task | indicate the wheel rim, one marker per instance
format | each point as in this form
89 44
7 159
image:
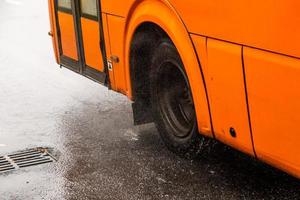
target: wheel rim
175 99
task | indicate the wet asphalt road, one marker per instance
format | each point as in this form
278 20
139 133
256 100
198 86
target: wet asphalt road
101 155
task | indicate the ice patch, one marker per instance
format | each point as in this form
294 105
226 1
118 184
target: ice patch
131 134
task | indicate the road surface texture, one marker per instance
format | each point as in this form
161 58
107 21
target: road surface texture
101 155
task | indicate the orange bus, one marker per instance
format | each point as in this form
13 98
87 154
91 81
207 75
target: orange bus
229 70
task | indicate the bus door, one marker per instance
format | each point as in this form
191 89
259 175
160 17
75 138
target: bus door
81 38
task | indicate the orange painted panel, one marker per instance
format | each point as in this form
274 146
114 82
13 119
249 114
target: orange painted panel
53 30
108 50
116 28
274 96
68 36
227 95
268 24
117 7
91 44
203 123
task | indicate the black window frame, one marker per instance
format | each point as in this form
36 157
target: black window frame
64 9
89 16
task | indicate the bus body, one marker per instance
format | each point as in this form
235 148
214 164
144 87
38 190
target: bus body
241 59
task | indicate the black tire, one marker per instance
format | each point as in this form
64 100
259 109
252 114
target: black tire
172 103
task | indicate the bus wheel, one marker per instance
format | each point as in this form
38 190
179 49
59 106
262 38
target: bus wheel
172 102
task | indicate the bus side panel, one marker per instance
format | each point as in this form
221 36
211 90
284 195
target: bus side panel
53 31
117 7
108 51
116 29
227 97
200 45
273 83
270 25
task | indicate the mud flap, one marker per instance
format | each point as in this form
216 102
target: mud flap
141 114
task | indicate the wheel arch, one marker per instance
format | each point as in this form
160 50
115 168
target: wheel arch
169 20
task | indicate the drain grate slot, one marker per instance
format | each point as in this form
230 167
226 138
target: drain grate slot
4 161
33 160
6 169
27 158
35 163
5 164
23 154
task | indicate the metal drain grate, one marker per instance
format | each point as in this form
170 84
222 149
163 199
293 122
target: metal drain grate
27 158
